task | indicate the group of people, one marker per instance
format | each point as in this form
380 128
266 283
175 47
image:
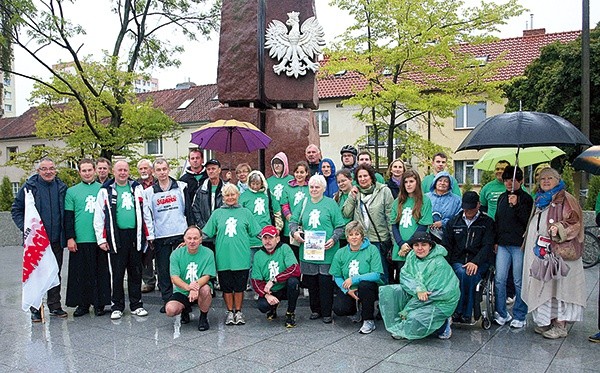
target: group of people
419 247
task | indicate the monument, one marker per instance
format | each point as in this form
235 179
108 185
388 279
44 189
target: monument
268 53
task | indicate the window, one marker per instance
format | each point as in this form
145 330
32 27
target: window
154 147
468 116
185 104
7 95
11 152
371 137
15 188
7 107
7 81
465 170
322 118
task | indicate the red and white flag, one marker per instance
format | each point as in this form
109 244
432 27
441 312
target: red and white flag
40 270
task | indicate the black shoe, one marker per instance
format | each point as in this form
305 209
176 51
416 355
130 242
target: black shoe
162 309
185 317
59 312
456 318
290 320
99 311
81 310
314 316
272 314
36 316
327 319
203 323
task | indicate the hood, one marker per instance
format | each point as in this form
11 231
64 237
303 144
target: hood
188 170
437 177
332 168
282 157
262 177
366 243
438 250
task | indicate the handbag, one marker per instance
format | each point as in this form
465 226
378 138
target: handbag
551 267
293 241
568 250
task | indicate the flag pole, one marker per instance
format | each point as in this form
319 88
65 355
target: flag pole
42 313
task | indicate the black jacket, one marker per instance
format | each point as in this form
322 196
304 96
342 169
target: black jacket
511 222
395 188
201 210
189 178
469 244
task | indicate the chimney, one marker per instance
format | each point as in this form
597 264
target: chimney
534 32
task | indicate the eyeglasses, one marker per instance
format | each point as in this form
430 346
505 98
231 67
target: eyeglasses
45 169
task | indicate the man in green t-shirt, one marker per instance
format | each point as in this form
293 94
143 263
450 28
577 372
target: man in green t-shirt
192 267
276 276
89 279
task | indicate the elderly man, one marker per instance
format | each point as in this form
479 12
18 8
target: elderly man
89 279
121 227
439 163
191 266
276 276
469 239
166 202
146 180
313 157
49 195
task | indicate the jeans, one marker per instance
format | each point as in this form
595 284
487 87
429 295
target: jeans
290 292
506 256
467 287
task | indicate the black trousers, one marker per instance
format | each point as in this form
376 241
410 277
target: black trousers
163 247
290 293
320 293
127 258
345 305
53 294
89 279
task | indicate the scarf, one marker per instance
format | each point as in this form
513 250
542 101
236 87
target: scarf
369 190
543 199
397 181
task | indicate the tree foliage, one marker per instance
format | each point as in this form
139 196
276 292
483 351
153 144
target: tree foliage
552 83
91 104
593 191
6 194
407 52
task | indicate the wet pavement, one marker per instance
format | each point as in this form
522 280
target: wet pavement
158 343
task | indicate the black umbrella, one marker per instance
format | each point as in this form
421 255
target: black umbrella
523 129
588 161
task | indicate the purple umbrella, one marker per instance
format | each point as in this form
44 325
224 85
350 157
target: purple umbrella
230 136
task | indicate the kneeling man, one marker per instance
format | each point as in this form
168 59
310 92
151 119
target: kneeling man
276 276
192 267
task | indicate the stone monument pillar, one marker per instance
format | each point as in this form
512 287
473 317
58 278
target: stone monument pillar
250 90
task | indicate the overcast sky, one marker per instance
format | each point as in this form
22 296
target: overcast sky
199 61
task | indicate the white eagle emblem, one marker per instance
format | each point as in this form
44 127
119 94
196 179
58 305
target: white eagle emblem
297 49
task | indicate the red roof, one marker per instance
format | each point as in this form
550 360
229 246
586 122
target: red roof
520 52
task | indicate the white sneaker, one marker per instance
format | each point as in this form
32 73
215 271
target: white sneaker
510 300
139 312
116 315
518 324
367 327
230 319
502 320
239 318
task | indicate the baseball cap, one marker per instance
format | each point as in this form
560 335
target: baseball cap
269 230
212 161
470 200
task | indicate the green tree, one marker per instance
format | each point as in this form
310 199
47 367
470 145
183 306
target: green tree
567 176
6 194
407 52
552 83
94 109
593 190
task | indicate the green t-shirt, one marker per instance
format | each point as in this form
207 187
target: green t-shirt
324 215
489 196
428 179
407 224
597 207
190 267
125 207
294 196
266 267
256 202
233 228
347 263
81 199
277 185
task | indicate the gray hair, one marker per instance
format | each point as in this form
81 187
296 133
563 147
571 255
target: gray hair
144 160
317 180
551 172
158 161
355 226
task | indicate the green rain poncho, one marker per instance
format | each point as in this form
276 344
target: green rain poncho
403 313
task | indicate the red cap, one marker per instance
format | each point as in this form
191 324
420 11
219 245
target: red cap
269 230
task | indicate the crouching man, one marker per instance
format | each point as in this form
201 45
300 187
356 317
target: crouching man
192 266
276 276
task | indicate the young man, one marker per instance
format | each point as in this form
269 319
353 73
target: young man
439 164
512 216
103 168
146 180
488 197
49 195
121 227
348 154
195 174
166 203
191 266
276 276
364 157
469 239
89 279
